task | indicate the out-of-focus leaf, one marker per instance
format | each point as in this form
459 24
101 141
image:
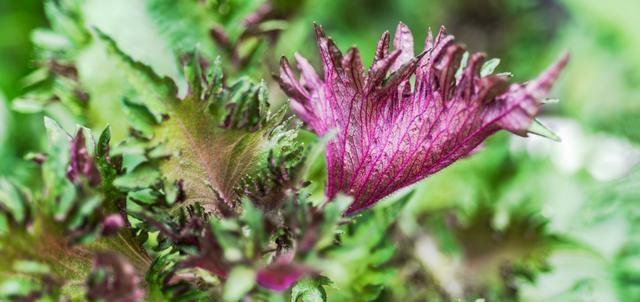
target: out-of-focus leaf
309 290
240 281
489 67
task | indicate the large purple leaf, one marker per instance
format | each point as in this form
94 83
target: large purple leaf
408 116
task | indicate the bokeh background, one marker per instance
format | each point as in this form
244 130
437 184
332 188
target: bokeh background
525 219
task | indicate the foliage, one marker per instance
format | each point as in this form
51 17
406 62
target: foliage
170 168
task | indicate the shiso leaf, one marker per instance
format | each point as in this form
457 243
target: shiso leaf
395 132
155 91
212 140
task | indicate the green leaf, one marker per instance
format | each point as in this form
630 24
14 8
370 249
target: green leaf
184 24
108 168
463 64
356 262
224 233
31 267
27 105
102 148
193 74
240 281
309 290
16 287
371 227
254 220
65 19
539 129
86 208
154 91
13 200
382 255
143 177
65 201
213 140
489 67
332 214
62 193
139 117
56 134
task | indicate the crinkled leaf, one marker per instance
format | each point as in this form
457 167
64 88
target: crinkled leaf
391 132
212 140
155 91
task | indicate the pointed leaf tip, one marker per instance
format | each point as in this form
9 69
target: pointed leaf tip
537 128
319 31
539 87
489 67
403 41
382 49
550 101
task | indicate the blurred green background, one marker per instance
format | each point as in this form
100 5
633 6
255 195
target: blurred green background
564 216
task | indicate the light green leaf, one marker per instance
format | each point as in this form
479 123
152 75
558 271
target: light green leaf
539 129
13 200
253 217
31 267
16 287
139 116
143 177
27 105
550 101
240 281
154 91
56 134
332 214
489 67
308 290
463 64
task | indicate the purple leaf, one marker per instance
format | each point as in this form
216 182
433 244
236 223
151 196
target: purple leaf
211 257
280 276
114 280
393 131
81 163
112 224
403 41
